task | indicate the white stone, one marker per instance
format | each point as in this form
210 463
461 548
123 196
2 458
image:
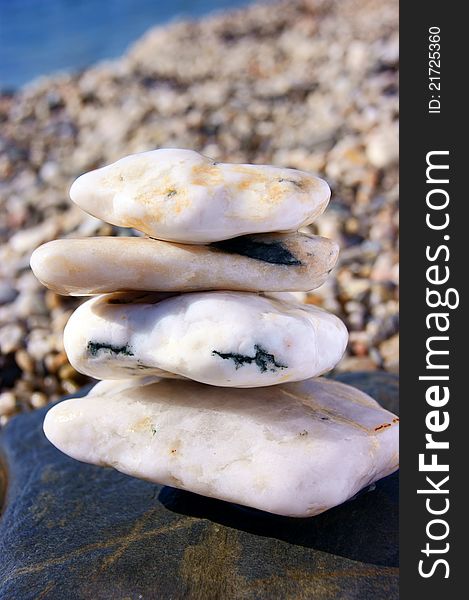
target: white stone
274 262
382 147
7 403
295 449
221 338
182 196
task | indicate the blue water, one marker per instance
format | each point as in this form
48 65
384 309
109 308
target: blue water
39 37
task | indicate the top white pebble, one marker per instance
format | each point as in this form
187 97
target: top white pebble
183 196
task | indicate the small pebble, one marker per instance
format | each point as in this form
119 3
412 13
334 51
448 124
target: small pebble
389 350
357 363
11 337
38 399
7 403
24 361
7 293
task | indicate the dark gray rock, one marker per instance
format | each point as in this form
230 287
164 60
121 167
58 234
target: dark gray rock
381 386
74 531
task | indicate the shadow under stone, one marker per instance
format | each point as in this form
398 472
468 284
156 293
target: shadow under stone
364 529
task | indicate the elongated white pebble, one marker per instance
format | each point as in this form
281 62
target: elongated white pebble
270 262
220 338
183 196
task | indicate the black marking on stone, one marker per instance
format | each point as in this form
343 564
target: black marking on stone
263 360
273 252
298 184
94 347
171 193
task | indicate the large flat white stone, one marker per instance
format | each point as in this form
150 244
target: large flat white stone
273 262
295 449
235 339
182 196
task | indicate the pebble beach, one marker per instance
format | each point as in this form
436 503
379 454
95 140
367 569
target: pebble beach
307 84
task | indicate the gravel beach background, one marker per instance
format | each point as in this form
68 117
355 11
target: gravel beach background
308 84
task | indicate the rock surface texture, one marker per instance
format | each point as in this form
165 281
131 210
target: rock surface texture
81 532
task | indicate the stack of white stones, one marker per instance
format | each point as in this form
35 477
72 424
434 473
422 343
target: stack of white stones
200 301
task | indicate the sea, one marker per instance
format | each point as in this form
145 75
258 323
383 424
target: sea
42 37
